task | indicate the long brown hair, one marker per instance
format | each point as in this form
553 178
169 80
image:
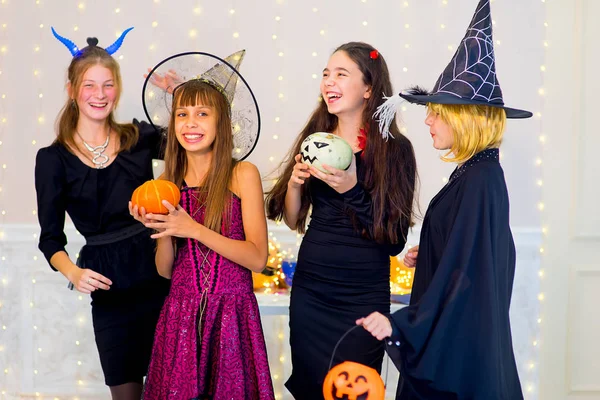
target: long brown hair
66 122
392 195
214 189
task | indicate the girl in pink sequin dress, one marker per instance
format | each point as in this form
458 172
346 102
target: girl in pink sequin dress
209 342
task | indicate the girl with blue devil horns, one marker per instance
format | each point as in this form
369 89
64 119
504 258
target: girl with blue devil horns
90 171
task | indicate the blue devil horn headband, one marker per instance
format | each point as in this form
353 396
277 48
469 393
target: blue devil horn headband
70 45
115 46
75 52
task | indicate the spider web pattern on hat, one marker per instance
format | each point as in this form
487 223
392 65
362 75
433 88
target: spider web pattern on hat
219 73
469 78
472 72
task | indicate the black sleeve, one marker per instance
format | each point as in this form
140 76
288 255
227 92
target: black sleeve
359 201
156 138
51 203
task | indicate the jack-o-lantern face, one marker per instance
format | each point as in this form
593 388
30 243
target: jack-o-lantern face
353 381
325 148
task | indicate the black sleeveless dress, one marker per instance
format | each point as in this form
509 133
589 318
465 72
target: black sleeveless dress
340 276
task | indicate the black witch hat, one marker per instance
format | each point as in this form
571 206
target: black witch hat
469 78
221 74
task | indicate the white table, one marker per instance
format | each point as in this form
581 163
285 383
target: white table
279 303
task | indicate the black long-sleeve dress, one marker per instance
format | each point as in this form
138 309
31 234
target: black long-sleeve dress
340 277
117 246
454 341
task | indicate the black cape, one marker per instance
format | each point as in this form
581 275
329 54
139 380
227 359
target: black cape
454 340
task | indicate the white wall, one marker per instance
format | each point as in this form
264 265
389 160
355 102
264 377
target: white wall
421 49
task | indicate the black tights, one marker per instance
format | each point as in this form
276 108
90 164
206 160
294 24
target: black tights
127 391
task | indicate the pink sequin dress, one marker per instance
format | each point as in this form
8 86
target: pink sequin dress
209 341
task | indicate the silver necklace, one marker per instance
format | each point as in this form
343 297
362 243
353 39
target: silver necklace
99 159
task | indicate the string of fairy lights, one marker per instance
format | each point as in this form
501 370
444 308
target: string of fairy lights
4 52
7 328
531 381
5 368
532 389
152 48
37 77
275 259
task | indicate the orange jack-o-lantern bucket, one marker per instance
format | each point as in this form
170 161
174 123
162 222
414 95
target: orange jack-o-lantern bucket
352 381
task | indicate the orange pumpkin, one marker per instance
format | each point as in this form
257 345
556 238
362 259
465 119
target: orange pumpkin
353 381
150 195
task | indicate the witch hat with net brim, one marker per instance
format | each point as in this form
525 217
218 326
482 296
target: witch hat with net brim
469 78
221 74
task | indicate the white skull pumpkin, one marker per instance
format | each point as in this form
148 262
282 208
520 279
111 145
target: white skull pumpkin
326 148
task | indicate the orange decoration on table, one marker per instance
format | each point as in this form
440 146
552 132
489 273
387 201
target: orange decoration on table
401 277
150 195
271 279
260 281
353 381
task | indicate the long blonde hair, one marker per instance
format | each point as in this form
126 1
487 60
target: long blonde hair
66 122
474 128
214 189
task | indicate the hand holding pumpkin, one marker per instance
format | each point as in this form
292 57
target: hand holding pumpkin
339 180
299 173
176 223
377 325
139 214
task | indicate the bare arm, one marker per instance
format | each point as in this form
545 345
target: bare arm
61 261
165 256
293 200
292 207
84 280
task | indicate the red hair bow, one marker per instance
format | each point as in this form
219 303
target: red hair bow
374 54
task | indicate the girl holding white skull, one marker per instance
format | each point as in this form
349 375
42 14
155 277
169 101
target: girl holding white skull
360 217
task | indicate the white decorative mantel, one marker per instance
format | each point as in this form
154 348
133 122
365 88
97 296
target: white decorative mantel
47 347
